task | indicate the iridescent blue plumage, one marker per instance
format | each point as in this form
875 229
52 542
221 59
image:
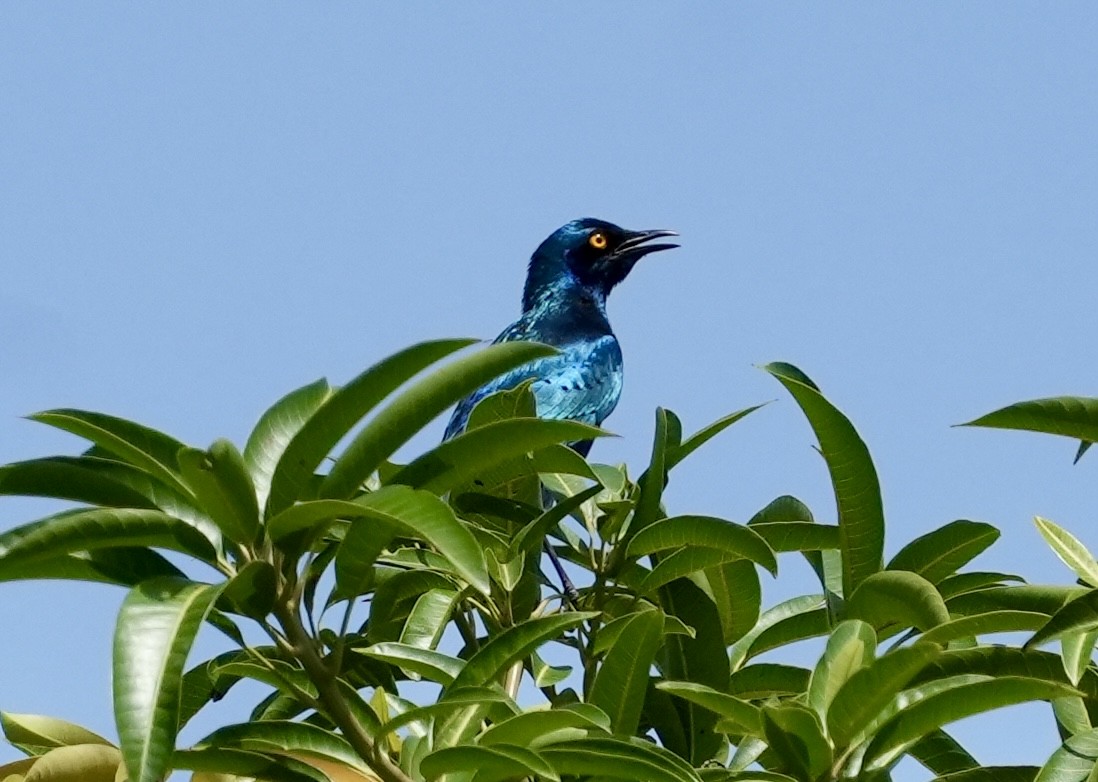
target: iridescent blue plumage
564 305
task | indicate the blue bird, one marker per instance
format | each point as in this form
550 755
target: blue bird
568 281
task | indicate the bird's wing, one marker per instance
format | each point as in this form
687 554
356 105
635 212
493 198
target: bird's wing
581 383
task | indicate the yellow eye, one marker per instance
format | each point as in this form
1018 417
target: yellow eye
598 241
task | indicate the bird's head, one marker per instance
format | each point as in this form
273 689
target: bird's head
594 253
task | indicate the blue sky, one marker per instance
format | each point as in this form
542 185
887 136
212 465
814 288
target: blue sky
207 204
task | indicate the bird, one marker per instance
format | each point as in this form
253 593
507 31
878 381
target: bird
568 281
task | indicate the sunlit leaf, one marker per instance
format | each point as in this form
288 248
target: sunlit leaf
417 406
339 412
942 552
156 627
898 597
853 476
1069 549
706 532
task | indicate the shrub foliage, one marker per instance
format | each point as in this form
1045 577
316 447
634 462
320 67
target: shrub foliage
337 579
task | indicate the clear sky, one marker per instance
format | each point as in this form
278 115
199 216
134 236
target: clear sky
204 205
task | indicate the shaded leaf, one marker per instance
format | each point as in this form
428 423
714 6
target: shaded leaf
512 645
622 678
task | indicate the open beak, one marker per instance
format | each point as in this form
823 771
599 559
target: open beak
636 245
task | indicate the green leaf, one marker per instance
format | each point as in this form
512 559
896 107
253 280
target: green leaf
1068 548
339 412
77 763
239 765
794 733
1025 597
942 754
40 731
616 758
966 700
490 764
853 476
685 561
992 774
740 715
1074 761
429 618
1078 616
862 697
530 537
851 646
797 606
400 508
432 665
547 726
80 479
982 624
622 678
653 480
797 535
463 458
942 552
104 482
761 680
221 483
156 628
735 591
252 591
417 406
788 630
704 435
701 659
276 429
706 532
148 449
283 736
125 566
394 599
74 531
1069 416
1076 649
898 597
452 704
512 645
962 583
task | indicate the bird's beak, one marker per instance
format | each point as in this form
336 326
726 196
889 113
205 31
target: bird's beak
636 244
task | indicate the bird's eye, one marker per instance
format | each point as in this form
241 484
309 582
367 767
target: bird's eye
598 241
